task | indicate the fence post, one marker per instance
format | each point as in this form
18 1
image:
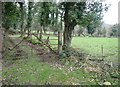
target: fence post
59 42
102 50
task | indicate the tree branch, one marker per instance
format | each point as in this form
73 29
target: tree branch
19 43
47 45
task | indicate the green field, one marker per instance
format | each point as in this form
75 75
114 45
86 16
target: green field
93 46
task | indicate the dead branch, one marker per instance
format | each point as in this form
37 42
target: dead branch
19 43
46 44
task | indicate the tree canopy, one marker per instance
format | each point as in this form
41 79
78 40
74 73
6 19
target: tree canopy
86 14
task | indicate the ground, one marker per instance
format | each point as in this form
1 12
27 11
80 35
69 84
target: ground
33 64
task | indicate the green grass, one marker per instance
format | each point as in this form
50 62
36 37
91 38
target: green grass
32 71
35 72
93 46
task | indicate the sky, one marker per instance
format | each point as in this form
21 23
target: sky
111 16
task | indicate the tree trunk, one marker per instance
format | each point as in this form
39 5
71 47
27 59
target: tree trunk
69 27
37 32
60 36
59 42
40 35
29 20
28 31
43 28
67 37
22 18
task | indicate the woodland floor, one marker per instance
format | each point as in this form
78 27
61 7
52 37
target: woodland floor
30 64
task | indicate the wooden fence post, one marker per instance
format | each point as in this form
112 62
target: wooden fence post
59 42
102 51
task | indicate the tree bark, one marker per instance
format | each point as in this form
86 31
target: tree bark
69 27
41 33
29 20
22 18
59 42
67 37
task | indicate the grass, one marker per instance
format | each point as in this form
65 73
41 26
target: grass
32 71
35 72
93 46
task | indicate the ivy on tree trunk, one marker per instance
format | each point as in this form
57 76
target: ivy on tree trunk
69 27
